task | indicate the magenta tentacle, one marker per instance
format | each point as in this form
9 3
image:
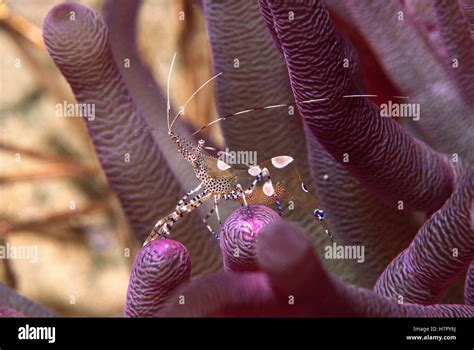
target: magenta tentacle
440 252
14 304
120 17
358 217
419 73
144 183
158 269
239 234
381 154
467 8
458 44
469 286
95 79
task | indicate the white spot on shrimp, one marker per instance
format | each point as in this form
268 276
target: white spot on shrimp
222 166
268 189
255 170
281 161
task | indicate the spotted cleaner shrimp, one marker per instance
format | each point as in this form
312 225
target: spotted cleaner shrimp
271 182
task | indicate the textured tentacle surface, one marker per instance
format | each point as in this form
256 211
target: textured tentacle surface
440 252
469 286
467 8
360 218
159 268
239 234
292 283
120 17
136 169
418 71
13 304
458 45
254 76
378 151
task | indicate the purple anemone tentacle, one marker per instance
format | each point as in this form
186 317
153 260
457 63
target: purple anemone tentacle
121 19
135 167
11 302
293 283
469 286
458 45
376 150
359 218
441 251
239 234
419 73
467 8
158 269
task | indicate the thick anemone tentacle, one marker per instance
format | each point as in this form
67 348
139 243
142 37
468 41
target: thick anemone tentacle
239 234
419 73
11 302
225 294
458 45
158 269
467 8
377 151
360 218
293 283
121 19
469 286
135 167
441 251
363 216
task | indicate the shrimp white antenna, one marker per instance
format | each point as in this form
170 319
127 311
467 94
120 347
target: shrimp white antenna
245 111
190 98
168 104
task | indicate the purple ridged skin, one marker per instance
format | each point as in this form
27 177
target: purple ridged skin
467 8
293 283
11 300
381 154
441 251
121 18
240 232
469 286
458 45
158 269
411 59
146 185
81 51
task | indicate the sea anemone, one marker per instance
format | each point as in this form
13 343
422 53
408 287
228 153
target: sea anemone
401 190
